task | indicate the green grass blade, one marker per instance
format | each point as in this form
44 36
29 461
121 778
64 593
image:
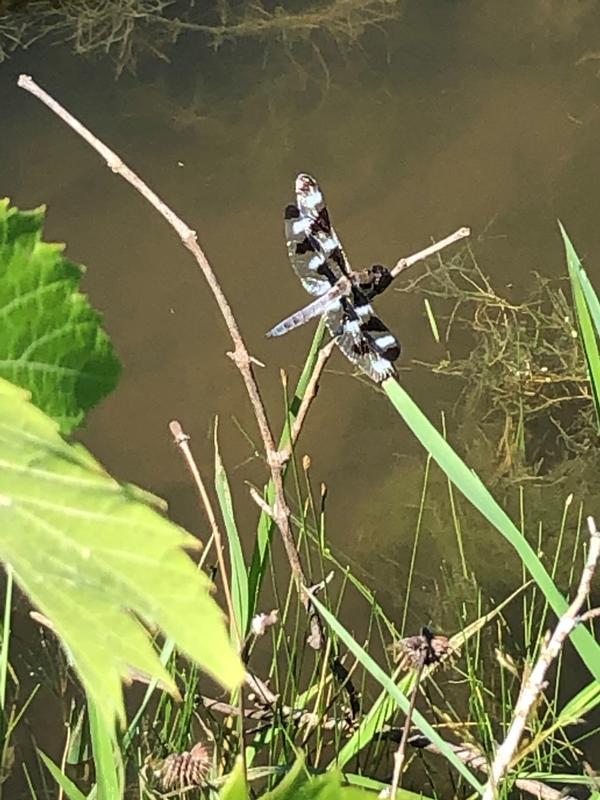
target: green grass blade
395 693
66 784
471 486
580 706
587 310
107 760
5 636
432 321
239 575
574 262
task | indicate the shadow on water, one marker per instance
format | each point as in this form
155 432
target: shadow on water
458 113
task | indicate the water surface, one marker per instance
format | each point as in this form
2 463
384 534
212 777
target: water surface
461 113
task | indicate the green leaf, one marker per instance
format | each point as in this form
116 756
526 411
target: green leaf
471 486
66 784
86 549
235 787
239 575
290 782
587 309
298 784
51 342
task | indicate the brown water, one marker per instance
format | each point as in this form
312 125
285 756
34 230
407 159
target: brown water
461 113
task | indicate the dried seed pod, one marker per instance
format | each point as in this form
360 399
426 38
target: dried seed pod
185 769
426 648
261 622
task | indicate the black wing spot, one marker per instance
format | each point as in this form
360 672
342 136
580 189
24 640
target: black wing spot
291 212
373 325
327 272
322 221
305 246
338 258
361 347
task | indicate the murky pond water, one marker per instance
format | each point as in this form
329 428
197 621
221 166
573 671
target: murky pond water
460 113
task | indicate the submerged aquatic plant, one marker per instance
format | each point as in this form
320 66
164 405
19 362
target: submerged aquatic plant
524 379
126 29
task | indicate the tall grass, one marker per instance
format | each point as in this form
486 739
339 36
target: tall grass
348 718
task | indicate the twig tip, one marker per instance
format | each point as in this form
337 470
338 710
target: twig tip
177 432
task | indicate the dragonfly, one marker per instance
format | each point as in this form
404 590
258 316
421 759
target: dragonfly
343 296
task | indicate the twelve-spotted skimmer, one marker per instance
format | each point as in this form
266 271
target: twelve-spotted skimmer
343 295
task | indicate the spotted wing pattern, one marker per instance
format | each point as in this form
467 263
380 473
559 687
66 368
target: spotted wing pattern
319 260
313 246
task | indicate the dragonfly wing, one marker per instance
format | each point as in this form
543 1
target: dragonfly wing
363 338
314 249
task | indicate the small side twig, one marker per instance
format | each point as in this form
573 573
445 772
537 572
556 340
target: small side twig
535 683
405 263
181 439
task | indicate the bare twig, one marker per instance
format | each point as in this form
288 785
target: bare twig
400 753
417 652
181 439
262 503
404 263
241 357
588 615
535 683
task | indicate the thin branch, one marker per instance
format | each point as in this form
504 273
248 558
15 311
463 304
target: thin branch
181 439
240 355
535 683
588 615
405 263
417 652
400 753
